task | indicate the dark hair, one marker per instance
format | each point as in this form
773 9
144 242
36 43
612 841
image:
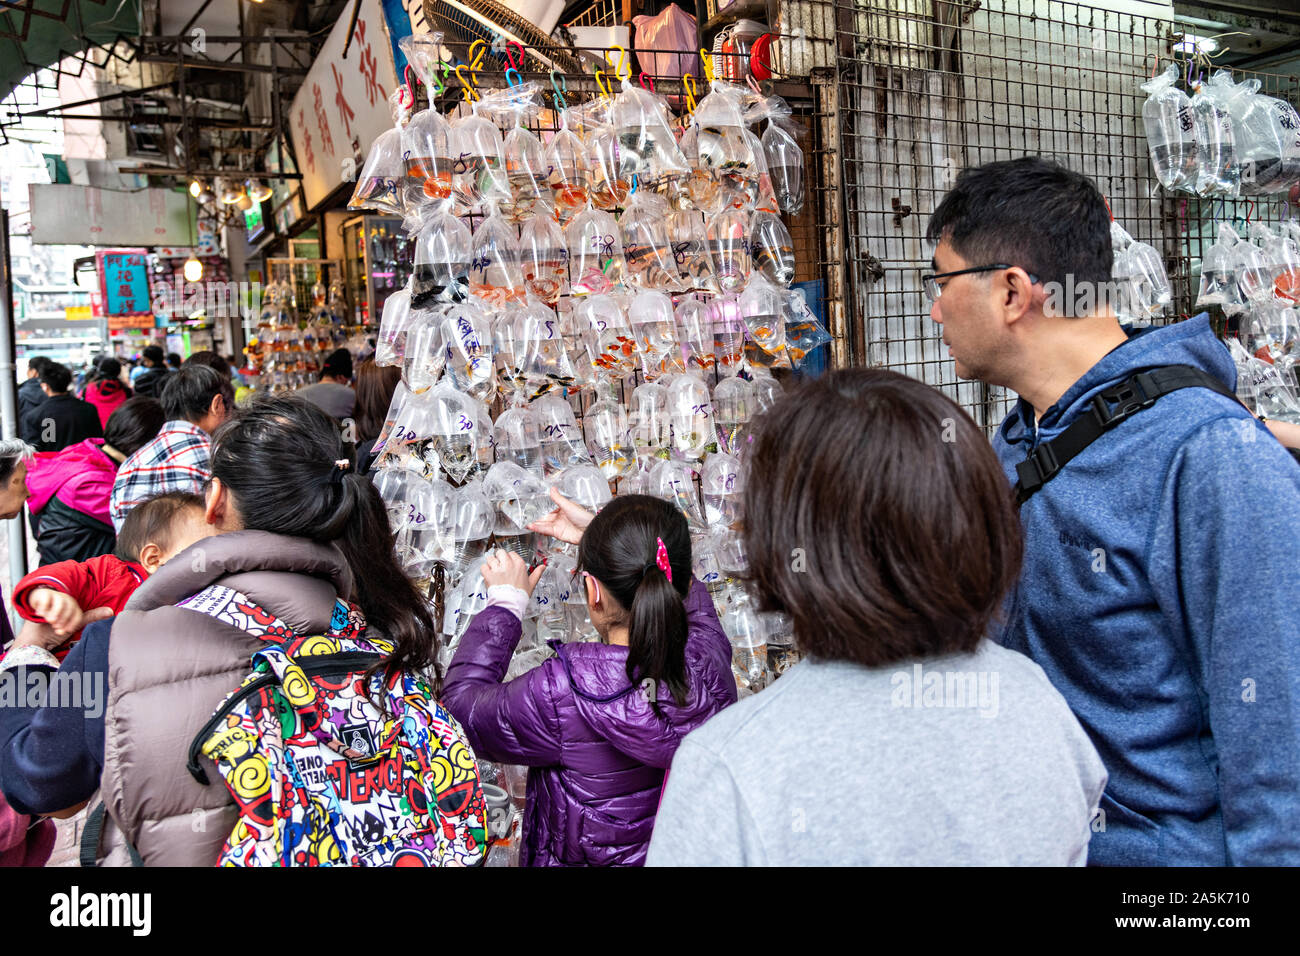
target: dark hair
211 359
107 368
153 355
375 387
276 455
152 521
174 360
188 393
37 364
134 424
878 518
618 549
1029 212
57 377
339 363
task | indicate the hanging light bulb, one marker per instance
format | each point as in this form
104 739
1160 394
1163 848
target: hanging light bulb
245 202
193 269
258 190
196 188
230 191
206 196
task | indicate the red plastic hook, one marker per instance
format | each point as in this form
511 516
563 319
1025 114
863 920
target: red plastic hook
510 59
644 77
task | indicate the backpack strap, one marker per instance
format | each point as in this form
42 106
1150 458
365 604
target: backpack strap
1107 409
91 831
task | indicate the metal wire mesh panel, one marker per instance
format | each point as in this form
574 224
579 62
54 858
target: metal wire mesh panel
929 87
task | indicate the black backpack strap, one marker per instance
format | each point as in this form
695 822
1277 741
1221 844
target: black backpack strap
1108 408
91 830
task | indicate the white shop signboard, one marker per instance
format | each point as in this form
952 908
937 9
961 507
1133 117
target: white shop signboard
64 214
343 104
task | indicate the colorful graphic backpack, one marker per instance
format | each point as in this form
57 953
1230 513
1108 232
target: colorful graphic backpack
320 775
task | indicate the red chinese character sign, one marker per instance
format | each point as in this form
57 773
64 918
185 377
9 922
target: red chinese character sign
124 282
342 106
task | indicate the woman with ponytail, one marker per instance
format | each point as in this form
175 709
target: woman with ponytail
597 724
297 530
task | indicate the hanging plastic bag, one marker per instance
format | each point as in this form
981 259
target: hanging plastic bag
467 333
1267 134
595 244
762 307
771 247
722 482
544 259
425 354
570 175
648 149
690 410
609 189
660 41
674 482
690 241
518 438
519 496
390 342
443 250
1170 124
605 337
379 185
728 234
562 443
652 431
647 243
695 333
451 425
584 484
1218 169
545 363
803 331
495 270
728 332
784 156
1218 283
651 316
473 520
606 431
735 403
479 171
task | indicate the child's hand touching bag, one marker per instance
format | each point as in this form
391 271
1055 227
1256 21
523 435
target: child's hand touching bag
506 567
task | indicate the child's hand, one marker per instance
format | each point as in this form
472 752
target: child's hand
506 567
62 612
566 523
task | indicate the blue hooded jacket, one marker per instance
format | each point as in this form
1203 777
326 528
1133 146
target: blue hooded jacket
1159 593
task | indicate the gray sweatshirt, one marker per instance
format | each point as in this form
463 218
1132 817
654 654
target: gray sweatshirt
969 759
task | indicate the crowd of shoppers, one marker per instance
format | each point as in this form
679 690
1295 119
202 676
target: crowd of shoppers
1047 650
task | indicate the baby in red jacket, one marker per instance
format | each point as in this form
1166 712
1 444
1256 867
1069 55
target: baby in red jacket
71 594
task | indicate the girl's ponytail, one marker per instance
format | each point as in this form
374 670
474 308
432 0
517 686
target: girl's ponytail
621 549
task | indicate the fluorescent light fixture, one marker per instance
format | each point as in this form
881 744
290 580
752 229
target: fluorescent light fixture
1191 45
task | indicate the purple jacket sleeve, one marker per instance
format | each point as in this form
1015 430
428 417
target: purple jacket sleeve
709 644
510 723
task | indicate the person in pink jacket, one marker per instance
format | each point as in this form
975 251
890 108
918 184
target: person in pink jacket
105 390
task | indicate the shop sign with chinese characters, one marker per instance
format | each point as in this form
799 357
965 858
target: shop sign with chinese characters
124 279
342 106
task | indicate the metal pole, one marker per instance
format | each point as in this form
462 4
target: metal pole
9 394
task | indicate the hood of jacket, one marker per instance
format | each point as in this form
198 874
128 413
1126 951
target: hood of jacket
1190 342
105 390
294 578
81 476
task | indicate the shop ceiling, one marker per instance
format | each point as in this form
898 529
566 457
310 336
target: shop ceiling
1252 33
200 85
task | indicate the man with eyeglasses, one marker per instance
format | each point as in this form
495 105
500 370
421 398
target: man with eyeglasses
1161 519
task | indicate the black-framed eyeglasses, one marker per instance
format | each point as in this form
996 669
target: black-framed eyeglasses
930 280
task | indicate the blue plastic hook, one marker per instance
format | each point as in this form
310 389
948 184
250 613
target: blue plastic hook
512 77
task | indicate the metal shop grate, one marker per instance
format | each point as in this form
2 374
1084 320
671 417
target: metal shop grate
928 87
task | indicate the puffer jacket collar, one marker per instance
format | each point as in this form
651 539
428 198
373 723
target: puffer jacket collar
267 567
621 712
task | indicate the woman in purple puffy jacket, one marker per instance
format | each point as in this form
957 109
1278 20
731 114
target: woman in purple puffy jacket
598 724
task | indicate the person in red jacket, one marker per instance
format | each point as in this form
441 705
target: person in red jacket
70 594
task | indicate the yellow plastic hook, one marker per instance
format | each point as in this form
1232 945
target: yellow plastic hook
623 62
688 82
603 83
707 60
470 93
476 62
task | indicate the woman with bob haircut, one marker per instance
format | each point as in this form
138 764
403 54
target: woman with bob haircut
878 519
